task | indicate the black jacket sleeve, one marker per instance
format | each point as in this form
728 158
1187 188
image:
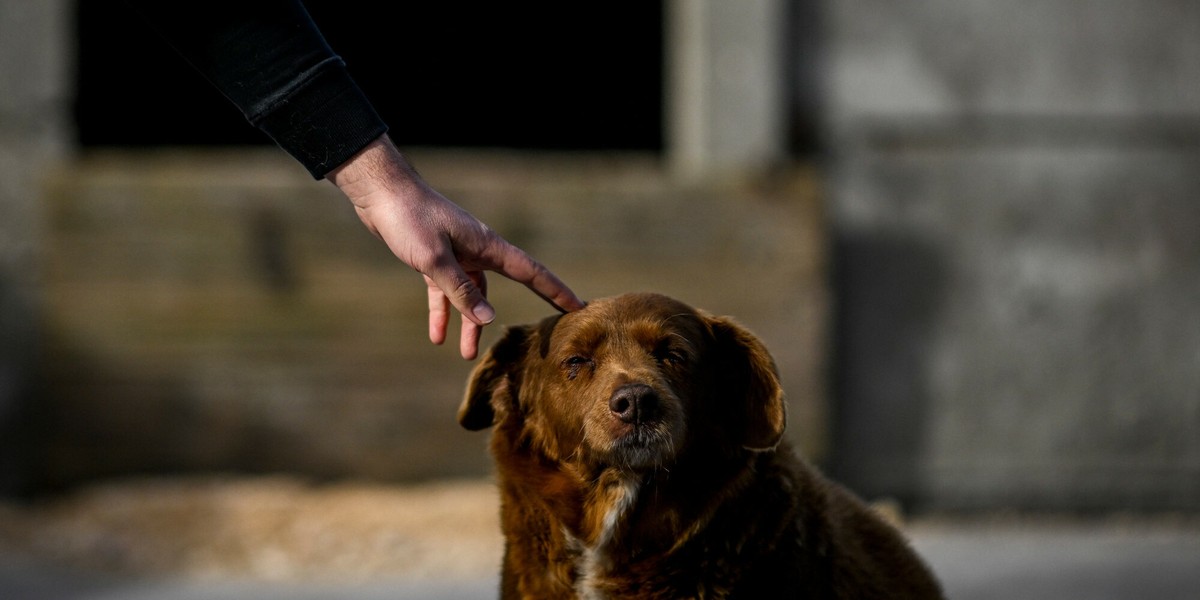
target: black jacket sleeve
269 59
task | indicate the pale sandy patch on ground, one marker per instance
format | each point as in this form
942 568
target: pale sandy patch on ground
272 529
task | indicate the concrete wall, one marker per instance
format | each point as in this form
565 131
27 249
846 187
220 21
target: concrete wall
725 86
1015 213
221 312
34 111
1012 204
167 312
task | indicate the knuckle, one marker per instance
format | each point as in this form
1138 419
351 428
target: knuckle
464 288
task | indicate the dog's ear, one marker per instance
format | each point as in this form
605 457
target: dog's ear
491 388
748 372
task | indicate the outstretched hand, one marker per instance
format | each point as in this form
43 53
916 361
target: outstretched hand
445 243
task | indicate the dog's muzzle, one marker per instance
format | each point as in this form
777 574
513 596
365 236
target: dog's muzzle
646 429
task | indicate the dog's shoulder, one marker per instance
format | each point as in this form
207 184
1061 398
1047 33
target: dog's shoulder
789 531
852 551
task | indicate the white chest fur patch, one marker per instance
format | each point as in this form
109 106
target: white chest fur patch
595 559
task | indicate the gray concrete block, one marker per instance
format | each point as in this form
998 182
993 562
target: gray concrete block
949 58
1015 217
724 86
1019 327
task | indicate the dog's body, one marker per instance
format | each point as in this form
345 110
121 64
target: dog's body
640 454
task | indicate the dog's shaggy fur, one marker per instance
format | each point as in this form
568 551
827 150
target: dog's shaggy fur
640 454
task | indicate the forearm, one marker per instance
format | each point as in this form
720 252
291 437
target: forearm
271 61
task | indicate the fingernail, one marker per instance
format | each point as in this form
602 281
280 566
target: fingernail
484 312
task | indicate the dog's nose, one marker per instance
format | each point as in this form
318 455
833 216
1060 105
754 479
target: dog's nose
633 402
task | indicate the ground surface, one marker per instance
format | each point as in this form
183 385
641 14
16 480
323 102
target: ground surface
209 539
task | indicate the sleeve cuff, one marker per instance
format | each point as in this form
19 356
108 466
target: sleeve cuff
325 122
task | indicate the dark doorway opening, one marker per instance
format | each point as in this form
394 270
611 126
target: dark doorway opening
543 75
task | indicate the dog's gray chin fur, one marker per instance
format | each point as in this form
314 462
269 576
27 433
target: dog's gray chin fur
643 448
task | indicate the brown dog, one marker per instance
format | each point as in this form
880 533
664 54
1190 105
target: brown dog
640 454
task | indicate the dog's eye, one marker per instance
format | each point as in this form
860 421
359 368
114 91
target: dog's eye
574 364
672 357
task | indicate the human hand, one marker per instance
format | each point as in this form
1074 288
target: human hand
443 242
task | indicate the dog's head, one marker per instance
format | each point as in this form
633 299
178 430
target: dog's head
630 382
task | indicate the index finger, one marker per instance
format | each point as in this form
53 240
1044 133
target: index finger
518 266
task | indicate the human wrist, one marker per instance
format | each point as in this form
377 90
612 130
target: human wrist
377 166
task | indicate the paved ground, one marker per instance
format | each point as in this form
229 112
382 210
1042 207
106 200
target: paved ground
281 538
1055 561
23 580
1019 561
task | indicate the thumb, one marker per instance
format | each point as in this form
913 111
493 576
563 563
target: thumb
463 292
